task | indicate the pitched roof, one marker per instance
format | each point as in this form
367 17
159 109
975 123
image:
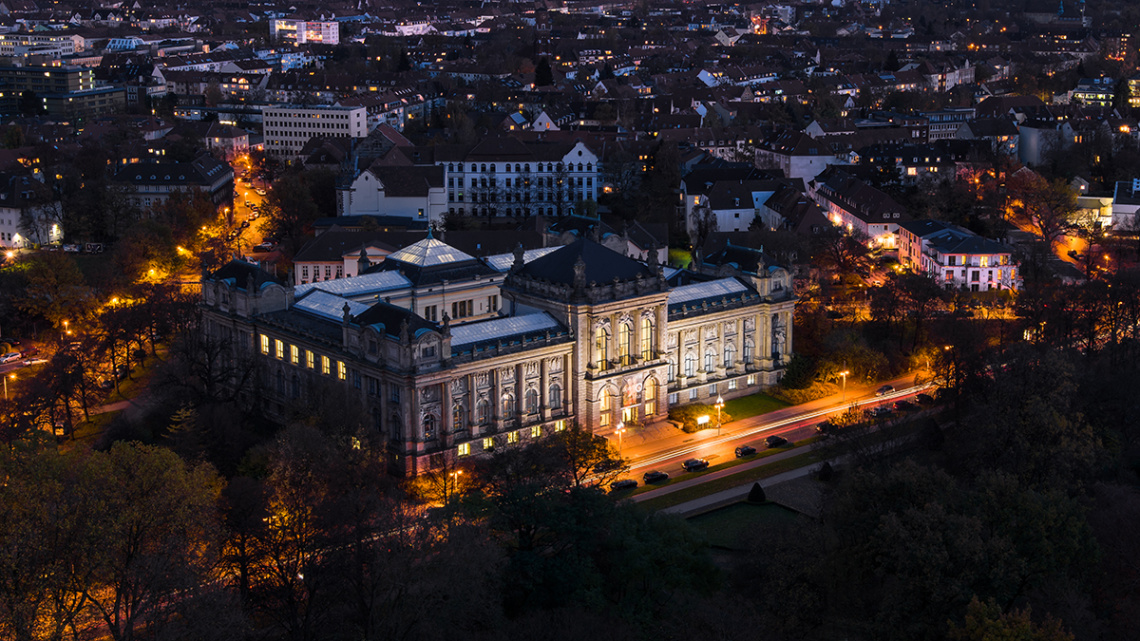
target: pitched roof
239 272
602 264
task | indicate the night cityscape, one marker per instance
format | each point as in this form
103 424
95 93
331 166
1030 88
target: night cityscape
569 319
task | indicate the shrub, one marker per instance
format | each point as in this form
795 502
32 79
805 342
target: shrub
756 494
800 372
798 396
687 415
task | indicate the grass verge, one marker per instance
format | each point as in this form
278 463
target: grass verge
87 431
730 526
730 481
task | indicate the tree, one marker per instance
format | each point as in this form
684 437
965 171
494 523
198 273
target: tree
586 457
543 74
30 103
987 622
13 137
160 533
56 289
213 94
290 211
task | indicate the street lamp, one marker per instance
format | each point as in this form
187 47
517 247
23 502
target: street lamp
844 374
619 431
6 385
454 476
719 405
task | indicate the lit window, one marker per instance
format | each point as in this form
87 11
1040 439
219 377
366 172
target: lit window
326 365
559 426
464 449
513 437
279 349
536 431
488 443
732 384
294 354
265 344
751 379
341 370
310 360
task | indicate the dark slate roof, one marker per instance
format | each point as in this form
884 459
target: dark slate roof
203 170
392 318
398 223
402 181
602 264
333 244
240 272
743 258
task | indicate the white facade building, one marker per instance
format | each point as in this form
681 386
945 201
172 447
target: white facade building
956 258
305 31
286 129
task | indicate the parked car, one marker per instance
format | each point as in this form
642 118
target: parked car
695 464
10 356
745 450
905 406
655 477
924 399
34 361
826 427
776 441
121 372
884 390
260 191
624 484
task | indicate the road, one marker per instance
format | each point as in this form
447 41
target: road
663 447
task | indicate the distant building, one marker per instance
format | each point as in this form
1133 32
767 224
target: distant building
1126 205
149 184
305 31
858 207
286 129
957 258
67 92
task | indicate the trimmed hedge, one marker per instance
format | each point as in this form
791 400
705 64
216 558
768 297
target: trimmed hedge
687 415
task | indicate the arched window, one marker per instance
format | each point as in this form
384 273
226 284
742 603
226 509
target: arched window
429 427
729 355
672 370
483 411
650 397
526 167
508 406
517 170
625 343
473 168
606 406
450 167
555 393
531 400
601 348
457 417
710 359
690 364
589 166
483 167
646 339
747 352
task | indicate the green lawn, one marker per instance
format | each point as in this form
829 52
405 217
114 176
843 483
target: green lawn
87 431
680 258
754 405
730 526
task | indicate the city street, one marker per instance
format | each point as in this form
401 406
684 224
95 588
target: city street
663 447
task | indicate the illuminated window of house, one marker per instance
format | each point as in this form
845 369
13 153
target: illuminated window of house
326 365
625 343
606 406
279 349
294 354
649 395
310 360
646 339
513 437
341 370
488 443
536 431
601 348
559 425
464 449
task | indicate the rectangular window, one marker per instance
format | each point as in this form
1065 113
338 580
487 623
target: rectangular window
265 344
605 419
356 379
673 398
294 354
488 443
310 360
732 384
751 379
712 390
279 349
326 365
341 370
559 426
536 431
513 437
693 394
430 313
394 393
464 449
373 386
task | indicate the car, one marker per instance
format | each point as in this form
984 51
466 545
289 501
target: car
624 484
34 361
121 372
10 356
776 441
244 224
905 406
884 390
826 427
260 191
655 476
106 383
695 464
878 412
924 399
745 450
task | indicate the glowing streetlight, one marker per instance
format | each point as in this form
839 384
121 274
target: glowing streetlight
719 405
454 476
619 431
844 374
13 377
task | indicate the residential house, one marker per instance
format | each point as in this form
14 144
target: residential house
957 258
